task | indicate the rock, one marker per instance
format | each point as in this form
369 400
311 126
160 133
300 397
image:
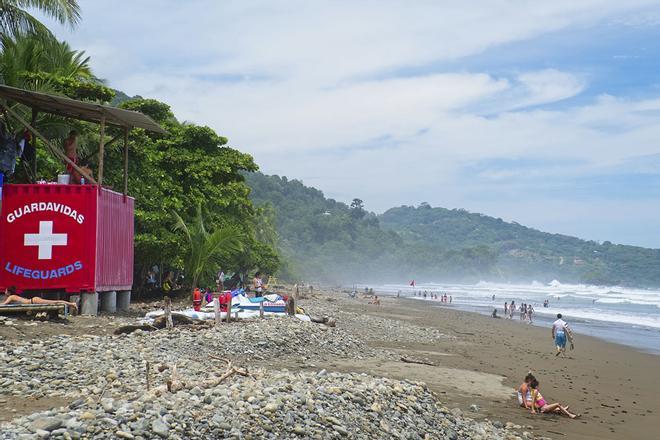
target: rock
45 424
87 416
42 433
126 435
160 428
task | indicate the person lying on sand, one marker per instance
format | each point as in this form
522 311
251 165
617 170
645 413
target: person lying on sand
539 405
525 392
13 298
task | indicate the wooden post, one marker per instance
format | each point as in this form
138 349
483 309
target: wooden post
50 146
168 313
291 306
101 150
261 310
216 309
125 161
147 374
35 113
229 310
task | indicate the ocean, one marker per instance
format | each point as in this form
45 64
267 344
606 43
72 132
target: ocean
622 315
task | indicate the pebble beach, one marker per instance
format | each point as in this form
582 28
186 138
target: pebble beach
389 371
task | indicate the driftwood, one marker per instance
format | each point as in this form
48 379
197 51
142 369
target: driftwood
159 323
415 361
174 383
125 329
177 319
330 322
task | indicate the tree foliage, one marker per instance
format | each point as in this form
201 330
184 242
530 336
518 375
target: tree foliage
191 166
15 19
206 251
324 239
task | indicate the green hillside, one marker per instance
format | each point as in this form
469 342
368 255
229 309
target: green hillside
326 240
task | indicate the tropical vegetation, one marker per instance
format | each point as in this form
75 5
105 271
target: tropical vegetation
190 193
16 17
326 240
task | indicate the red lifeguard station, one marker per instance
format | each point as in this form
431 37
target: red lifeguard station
70 240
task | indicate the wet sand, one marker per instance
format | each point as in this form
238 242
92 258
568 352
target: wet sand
614 387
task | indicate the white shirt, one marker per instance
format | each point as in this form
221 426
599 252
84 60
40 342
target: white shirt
559 325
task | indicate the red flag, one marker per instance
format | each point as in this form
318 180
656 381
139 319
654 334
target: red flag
412 283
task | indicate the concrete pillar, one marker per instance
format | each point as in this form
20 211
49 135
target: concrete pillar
123 299
89 303
75 299
109 301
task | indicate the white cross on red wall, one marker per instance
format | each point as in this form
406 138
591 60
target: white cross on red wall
45 240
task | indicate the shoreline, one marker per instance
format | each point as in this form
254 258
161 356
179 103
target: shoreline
605 381
583 327
471 363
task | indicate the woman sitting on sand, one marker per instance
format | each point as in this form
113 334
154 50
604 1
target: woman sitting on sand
525 392
13 298
539 403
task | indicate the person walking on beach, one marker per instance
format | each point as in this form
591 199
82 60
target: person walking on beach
512 309
561 332
506 309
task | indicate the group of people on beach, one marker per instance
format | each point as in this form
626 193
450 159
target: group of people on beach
526 311
530 397
442 297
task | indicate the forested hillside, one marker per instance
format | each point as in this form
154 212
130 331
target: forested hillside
326 240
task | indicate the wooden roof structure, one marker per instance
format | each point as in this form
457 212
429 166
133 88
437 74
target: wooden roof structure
85 111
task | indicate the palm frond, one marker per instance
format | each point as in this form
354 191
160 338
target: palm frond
206 249
64 11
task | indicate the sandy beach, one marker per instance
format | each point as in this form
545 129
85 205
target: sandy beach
611 385
475 362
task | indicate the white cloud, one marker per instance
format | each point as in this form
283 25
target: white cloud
350 97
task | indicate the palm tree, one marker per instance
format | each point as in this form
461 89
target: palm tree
206 249
15 19
30 54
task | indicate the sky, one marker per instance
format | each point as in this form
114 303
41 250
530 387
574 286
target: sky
543 113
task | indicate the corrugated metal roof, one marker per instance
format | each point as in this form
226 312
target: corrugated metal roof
87 111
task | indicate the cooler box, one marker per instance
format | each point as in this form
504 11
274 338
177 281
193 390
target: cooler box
75 238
